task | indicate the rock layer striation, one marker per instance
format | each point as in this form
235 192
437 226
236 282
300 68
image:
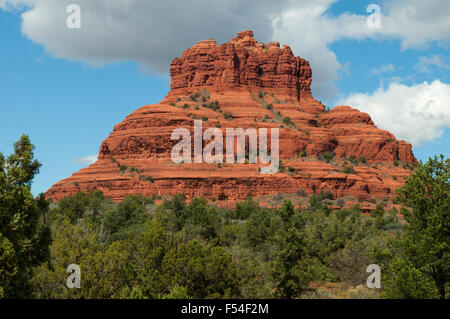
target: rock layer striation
245 84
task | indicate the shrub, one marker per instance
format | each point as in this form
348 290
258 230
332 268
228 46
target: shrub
228 115
327 156
146 178
348 170
213 105
281 168
269 106
287 120
353 160
194 97
204 118
261 94
328 195
396 162
303 154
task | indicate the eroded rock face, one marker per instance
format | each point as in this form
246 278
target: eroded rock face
242 63
244 84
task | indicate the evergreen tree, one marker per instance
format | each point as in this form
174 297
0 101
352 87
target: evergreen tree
24 239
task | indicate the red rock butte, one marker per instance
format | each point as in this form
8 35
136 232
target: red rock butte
245 84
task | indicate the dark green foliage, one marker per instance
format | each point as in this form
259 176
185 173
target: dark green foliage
420 266
82 205
24 238
326 156
128 217
245 209
352 159
348 170
261 94
196 249
288 267
213 105
228 115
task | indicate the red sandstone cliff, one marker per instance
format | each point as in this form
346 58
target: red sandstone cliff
255 85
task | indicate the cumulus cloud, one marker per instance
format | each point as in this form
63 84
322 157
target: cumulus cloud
417 113
151 33
87 160
310 30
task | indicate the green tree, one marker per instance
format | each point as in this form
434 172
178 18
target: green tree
103 271
24 239
289 267
206 271
422 250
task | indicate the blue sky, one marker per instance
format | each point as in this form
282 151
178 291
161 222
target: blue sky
67 97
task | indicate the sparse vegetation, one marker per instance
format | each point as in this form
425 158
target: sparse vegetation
228 116
326 156
348 170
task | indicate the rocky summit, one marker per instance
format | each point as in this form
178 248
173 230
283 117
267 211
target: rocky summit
245 84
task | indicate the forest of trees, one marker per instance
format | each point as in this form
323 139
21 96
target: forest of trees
196 249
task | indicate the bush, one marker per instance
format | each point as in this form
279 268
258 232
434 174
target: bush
327 156
353 160
348 170
261 94
228 115
245 209
287 120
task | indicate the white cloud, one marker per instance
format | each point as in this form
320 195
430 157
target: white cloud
310 30
417 113
425 63
152 33
87 160
383 69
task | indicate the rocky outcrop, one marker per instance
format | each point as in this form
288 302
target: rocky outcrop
245 84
